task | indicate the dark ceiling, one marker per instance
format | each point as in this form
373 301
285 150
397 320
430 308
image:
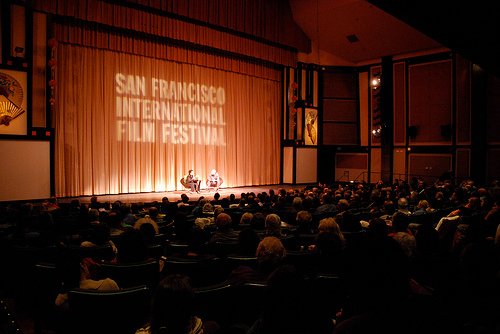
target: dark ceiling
470 28
357 31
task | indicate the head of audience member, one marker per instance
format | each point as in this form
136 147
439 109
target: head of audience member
297 203
184 199
329 245
94 203
273 225
246 218
225 202
330 225
248 241
94 216
172 306
258 221
377 228
216 196
427 239
400 222
304 221
114 220
153 213
342 205
100 234
423 204
196 242
403 204
223 222
131 246
217 211
182 226
474 204
208 209
348 222
149 232
270 254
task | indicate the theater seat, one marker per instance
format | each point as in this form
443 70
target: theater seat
212 184
123 311
96 253
128 275
215 303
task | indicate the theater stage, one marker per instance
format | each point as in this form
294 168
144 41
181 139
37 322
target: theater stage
176 195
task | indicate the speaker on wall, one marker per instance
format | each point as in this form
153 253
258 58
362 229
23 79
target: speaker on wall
446 130
412 131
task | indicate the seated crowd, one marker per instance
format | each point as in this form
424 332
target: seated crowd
409 257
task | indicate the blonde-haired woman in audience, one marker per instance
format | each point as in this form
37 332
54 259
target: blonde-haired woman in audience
330 225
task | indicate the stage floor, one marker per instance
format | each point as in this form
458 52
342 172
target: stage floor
176 195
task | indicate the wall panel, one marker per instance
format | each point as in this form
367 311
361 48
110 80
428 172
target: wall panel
348 166
430 102
428 166
463 93
462 164
399 104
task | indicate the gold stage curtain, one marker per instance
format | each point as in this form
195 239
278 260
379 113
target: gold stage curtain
129 123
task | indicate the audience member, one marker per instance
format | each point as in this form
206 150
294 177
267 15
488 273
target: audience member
172 308
270 255
225 231
82 274
131 246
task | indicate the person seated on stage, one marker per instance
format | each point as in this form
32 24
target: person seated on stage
193 181
214 180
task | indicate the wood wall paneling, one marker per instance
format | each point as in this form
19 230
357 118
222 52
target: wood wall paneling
399 104
340 134
306 165
493 109
493 164
375 164
399 163
428 166
364 114
430 102
340 110
463 100
462 164
288 164
352 163
340 85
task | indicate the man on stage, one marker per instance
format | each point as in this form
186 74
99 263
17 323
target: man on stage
214 180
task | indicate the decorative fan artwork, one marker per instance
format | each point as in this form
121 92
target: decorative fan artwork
311 126
11 99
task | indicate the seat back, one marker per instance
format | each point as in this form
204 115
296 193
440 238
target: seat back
249 299
305 261
46 315
305 240
155 251
123 311
128 275
222 249
203 272
328 294
215 303
96 253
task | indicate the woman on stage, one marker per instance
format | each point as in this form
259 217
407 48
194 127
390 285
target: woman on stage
193 181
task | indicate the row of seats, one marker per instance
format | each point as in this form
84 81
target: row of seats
126 310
